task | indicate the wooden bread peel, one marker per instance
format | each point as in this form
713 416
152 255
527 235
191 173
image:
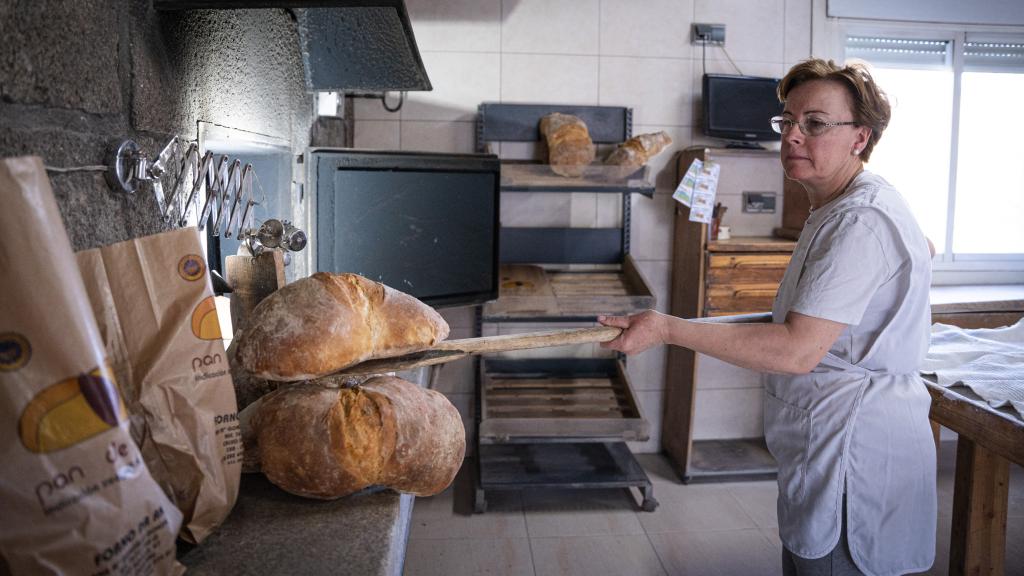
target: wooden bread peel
451 350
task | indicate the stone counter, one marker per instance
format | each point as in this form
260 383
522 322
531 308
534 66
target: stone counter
272 532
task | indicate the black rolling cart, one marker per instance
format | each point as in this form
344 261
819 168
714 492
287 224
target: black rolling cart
561 422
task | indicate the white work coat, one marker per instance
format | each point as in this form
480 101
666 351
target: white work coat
858 423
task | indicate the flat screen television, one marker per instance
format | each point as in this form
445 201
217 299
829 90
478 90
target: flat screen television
423 223
738 108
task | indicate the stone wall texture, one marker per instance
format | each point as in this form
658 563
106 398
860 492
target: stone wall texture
77 77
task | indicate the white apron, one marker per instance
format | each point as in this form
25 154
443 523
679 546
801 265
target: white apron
858 424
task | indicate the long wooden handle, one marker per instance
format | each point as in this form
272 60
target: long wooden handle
543 339
451 350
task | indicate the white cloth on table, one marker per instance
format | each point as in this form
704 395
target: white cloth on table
989 361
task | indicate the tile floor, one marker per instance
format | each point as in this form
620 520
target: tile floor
724 529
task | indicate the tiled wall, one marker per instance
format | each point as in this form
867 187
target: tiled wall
634 53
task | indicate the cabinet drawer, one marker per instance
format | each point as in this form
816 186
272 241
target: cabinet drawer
741 282
739 298
746 268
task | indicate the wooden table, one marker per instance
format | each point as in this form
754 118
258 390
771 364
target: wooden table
988 441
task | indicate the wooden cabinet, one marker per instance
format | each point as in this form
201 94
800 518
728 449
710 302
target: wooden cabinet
714 278
743 282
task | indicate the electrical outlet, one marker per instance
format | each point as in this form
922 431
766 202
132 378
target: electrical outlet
713 34
759 202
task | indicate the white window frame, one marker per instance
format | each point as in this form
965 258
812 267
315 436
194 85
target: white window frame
829 41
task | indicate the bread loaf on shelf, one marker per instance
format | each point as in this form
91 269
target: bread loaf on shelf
325 442
570 148
326 322
636 151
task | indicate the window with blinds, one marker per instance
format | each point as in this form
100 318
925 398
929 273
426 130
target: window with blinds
899 51
982 54
951 146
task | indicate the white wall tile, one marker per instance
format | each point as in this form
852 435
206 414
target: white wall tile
544 27
439 136
753 30
584 209
535 210
522 151
749 172
377 134
658 89
651 28
651 227
797 31
647 369
759 171
549 79
750 224
650 408
609 210
713 373
728 413
658 274
371 108
456 25
461 80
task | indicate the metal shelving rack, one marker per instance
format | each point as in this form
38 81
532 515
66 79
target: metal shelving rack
561 422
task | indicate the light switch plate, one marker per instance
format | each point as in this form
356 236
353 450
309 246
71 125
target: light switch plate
759 202
713 34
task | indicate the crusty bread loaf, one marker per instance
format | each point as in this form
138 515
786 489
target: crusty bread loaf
323 442
248 388
326 322
636 151
570 148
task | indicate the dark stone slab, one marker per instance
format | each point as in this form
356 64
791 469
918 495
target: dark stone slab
272 532
65 55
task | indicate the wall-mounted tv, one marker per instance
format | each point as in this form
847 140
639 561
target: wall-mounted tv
738 108
423 223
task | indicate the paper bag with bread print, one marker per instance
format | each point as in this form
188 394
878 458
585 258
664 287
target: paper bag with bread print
154 303
75 493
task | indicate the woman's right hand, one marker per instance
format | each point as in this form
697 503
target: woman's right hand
639 331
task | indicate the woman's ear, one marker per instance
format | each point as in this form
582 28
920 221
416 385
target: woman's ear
863 135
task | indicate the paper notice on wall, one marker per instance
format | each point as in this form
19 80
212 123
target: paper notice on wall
702 199
684 192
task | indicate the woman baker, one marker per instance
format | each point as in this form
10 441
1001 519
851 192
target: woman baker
845 412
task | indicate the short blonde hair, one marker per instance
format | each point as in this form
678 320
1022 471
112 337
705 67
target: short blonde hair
870 104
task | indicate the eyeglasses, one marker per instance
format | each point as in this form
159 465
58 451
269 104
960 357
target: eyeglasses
809 127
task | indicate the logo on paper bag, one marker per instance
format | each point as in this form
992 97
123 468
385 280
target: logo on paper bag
205 325
71 411
191 267
15 351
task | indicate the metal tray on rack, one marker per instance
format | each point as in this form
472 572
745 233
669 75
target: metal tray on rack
533 293
558 400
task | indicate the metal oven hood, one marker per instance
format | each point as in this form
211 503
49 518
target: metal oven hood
347 45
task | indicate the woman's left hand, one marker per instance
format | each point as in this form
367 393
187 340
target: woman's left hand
639 331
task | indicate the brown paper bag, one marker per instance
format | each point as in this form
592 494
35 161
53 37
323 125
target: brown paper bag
75 493
154 303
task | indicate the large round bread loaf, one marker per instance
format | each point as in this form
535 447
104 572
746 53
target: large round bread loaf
326 443
326 322
570 148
